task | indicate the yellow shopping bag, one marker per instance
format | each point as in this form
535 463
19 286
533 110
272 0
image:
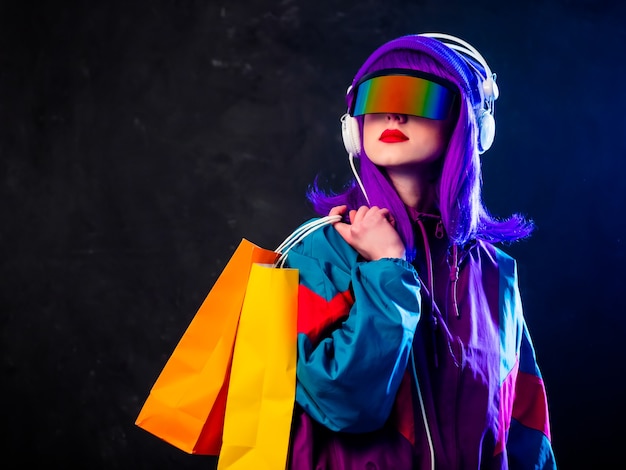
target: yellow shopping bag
261 393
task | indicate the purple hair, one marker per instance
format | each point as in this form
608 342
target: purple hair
463 213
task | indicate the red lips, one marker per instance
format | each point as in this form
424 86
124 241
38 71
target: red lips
392 135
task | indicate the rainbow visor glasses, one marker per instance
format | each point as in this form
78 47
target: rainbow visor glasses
403 91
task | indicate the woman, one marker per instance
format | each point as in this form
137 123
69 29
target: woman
412 350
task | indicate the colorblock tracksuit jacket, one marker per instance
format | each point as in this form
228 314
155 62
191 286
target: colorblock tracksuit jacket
400 369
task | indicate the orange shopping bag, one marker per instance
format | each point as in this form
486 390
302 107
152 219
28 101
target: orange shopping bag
187 402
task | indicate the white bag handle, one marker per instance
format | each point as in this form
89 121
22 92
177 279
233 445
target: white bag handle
298 235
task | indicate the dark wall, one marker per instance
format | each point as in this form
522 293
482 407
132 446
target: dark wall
140 141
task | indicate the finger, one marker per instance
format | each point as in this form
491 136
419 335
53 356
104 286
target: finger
381 212
338 210
360 214
375 213
344 231
388 216
352 215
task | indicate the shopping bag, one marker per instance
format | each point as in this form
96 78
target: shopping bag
261 392
262 387
186 404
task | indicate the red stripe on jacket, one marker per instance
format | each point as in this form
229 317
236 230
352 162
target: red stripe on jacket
523 397
316 315
531 405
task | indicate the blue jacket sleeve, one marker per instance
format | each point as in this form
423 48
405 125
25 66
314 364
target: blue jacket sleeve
348 381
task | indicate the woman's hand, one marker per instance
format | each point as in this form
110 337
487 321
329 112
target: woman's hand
371 232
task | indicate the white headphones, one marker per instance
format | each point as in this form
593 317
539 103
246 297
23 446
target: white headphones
487 88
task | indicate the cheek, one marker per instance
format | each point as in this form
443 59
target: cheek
438 139
372 146
435 135
370 135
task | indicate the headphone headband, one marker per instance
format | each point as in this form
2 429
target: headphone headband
490 89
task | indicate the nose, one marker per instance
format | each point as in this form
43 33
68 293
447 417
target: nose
401 118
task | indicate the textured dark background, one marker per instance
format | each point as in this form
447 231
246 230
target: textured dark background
140 141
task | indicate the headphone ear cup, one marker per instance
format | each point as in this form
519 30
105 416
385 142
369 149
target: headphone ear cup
490 89
486 130
350 134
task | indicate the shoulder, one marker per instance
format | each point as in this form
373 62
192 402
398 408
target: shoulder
490 254
322 243
323 258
